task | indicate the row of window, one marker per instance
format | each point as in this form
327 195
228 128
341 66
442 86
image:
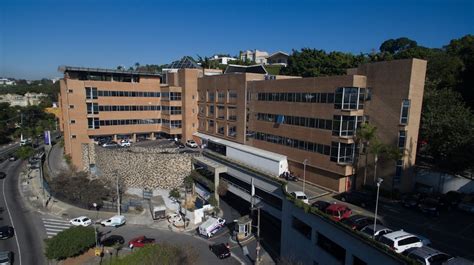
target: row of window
95 123
108 93
171 95
221 96
297 97
231 129
325 243
221 113
351 98
295 120
173 110
174 124
129 108
294 143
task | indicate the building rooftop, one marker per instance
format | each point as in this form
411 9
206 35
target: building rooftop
256 69
244 148
185 62
65 69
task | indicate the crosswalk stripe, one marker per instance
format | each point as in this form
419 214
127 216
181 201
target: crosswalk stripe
55 225
54 229
51 233
55 220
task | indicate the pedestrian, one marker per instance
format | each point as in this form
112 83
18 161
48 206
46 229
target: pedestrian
228 246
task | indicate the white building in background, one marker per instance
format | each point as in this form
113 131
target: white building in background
222 59
22 101
255 56
7 82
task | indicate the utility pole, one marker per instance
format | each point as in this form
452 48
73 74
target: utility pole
118 193
304 173
257 248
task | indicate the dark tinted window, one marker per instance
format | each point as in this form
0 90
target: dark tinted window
409 240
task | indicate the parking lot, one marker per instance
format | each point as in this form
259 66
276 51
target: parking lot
451 232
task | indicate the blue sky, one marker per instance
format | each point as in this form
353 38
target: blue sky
38 36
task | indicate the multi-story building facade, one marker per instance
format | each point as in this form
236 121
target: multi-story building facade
124 104
313 121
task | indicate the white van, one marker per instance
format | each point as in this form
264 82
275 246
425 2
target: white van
211 226
116 220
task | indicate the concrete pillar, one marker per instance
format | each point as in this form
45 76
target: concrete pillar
134 137
115 138
153 136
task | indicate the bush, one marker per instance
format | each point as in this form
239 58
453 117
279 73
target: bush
24 152
160 254
174 193
70 243
212 200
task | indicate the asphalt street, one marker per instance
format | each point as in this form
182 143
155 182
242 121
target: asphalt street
26 244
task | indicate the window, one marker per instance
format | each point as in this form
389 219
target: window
71 106
73 136
201 110
405 111
342 153
211 125
175 124
91 92
402 140
210 96
93 123
331 247
349 98
232 96
408 241
175 96
301 227
345 125
232 131
220 112
220 129
221 97
398 171
73 121
93 108
70 91
211 111
232 113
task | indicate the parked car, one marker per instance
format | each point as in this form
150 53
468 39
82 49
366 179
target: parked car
429 206
81 221
110 144
458 261
116 221
12 158
179 144
6 257
191 143
427 256
140 241
363 199
125 143
357 222
451 199
220 250
2 175
113 240
6 232
25 142
379 231
467 205
411 200
338 211
321 205
300 196
211 226
400 241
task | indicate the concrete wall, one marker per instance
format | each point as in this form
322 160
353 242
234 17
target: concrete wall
297 248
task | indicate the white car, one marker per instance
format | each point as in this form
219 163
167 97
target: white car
191 143
81 221
125 143
400 241
300 196
116 221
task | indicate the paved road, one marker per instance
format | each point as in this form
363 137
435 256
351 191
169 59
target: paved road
26 245
451 232
56 160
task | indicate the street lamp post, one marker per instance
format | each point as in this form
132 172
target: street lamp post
379 181
304 173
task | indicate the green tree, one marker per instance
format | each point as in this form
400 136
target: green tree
365 134
24 152
174 193
394 46
376 148
70 243
160 254
448 128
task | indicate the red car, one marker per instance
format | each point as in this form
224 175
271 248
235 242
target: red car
338 211
140 241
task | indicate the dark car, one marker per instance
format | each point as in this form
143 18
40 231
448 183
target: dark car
111 145
6 257
179 144
451 199
357 222
113 240
363 199
221 250
411 200
430 206
6 232
2 175
321 205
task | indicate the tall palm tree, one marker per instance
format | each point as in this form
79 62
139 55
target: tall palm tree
376 148
365 134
